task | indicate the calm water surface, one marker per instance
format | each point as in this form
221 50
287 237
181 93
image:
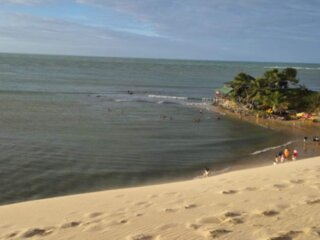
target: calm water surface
69 125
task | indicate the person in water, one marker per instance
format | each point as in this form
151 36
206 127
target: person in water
279 158
295 154
205 172
286 153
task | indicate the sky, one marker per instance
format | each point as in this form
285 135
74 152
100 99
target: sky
231 30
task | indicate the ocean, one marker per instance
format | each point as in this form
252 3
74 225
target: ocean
81 124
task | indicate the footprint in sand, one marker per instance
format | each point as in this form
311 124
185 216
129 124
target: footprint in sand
166 226
194 226
232 214
313 201
232 218
281 238
234 221
11 235
123 221
287 236
251 189
190 206
141 237
37 232
227 192
280 186
270 213
119 222
71 224
316 230
95 214
208 220
170 210
219 232
140 203
297 181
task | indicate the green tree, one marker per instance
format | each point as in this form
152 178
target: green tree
240 85
272 90
258 88
277 101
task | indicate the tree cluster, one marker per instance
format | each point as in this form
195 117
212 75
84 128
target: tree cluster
277 91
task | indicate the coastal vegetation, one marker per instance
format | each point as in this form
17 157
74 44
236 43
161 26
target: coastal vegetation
275 94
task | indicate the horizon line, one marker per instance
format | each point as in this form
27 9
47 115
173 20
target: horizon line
152 58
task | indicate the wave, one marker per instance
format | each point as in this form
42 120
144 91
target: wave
165 102
179 98
161 99
122 100
271 148
167 97
296 67
131 100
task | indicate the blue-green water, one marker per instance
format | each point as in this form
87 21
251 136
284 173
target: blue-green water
69 124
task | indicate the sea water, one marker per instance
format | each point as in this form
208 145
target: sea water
80 124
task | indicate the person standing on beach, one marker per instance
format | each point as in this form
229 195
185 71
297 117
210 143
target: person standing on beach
279 158
286 153
205 172
295 154
305 144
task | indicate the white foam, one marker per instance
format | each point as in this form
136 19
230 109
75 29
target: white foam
201 104
271 148
167 97
122 100
296 67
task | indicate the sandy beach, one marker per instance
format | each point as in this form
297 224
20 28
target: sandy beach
279 202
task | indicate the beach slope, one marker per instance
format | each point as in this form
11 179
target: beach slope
279 202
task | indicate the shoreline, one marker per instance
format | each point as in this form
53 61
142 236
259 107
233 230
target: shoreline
298 126
258 203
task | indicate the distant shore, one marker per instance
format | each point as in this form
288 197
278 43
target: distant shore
301 127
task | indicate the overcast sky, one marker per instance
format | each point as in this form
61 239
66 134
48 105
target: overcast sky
247 30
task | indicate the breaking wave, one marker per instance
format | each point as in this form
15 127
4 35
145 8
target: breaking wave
296 67
179 98
271 148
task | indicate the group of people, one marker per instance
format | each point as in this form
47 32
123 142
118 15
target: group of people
315 139
286 155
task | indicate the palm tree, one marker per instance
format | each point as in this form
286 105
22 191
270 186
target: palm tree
272 77
241 84
277 101
287 75
258 88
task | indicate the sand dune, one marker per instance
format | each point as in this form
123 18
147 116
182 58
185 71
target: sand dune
279 202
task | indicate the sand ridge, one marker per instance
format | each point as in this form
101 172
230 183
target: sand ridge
279 202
